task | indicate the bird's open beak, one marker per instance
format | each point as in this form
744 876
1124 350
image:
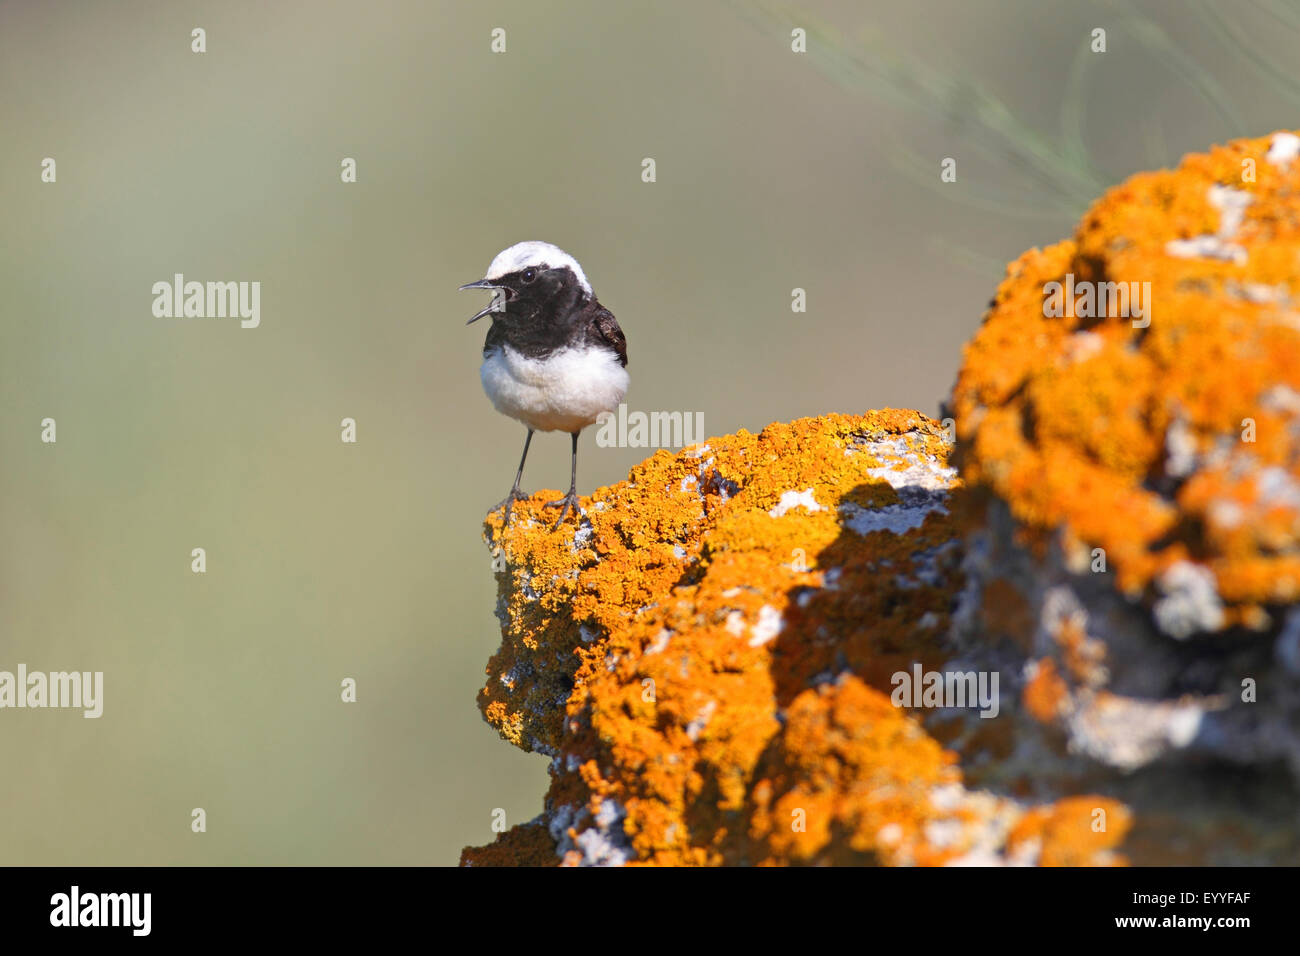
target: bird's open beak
493 306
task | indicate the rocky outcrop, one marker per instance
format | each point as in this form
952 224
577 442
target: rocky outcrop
707 659
1133 545
818 645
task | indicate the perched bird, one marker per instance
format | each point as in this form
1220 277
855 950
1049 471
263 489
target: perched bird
555 357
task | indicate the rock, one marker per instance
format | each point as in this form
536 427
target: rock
1133 542
816 645
708 658
528 844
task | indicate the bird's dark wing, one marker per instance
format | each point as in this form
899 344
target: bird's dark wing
606 329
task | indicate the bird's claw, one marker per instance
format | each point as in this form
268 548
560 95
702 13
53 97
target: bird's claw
568 501
509 501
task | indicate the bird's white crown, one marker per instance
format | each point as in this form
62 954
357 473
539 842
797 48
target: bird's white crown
537 254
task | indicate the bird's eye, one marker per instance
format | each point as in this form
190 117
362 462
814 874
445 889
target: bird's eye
529 275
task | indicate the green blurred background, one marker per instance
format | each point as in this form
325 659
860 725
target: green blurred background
326 560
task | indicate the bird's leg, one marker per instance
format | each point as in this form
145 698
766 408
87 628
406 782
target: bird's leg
515 495
571 499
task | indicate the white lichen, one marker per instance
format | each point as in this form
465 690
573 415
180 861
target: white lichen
795 499
1231 204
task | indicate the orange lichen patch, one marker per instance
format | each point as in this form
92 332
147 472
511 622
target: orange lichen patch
1076 831
1084 657
850 782
525 845
1045 694
1162 443
711 650
650 536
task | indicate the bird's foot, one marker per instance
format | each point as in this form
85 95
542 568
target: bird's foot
509 502
568 501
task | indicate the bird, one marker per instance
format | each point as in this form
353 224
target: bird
554 359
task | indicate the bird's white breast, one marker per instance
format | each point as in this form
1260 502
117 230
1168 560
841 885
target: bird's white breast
562 392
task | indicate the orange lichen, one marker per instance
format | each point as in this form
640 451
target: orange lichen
851 782
525 845
1168 443
1076 831
1045 694
708 657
